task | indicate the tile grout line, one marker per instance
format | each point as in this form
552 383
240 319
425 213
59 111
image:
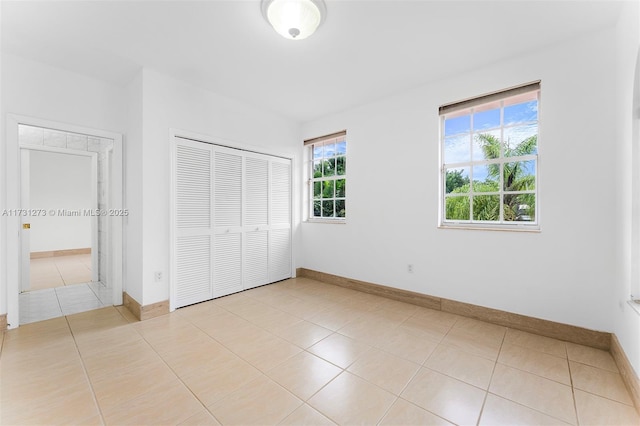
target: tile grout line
406 384
86 373
522 404
573 389
422 366
495 364
174 372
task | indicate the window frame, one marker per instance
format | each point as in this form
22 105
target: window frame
469 107
309 146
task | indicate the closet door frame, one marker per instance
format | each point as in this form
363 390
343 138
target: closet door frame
174 136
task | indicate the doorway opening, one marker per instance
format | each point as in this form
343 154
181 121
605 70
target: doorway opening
60 243
70 227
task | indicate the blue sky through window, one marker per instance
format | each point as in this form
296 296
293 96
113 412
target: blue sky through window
521 113
459 145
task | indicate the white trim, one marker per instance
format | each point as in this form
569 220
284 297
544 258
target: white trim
634 285
25 203
12 258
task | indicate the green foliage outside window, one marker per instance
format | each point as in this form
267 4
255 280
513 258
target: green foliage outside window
516 176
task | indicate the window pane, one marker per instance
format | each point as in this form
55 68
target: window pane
525 207
520 176
341 165
520 207
317 151
486 207
317 208
340 210
340 188
327 189
486 120
327 208
317 169
485 178
457 180
317 189
521 140
457 208
521 113
329 150
330 167
457 125
456 149
341 148
486 145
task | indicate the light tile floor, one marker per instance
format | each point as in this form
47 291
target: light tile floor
301 352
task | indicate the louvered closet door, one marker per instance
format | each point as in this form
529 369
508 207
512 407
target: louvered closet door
256 221
227 218
232 226
193 231
280 235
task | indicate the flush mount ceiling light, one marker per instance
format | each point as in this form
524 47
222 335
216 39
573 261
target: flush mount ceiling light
294 19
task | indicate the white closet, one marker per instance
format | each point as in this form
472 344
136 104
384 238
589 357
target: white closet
232 221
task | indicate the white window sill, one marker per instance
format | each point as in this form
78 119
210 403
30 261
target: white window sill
473 227
335 221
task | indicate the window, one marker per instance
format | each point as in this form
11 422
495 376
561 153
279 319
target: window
489 160
327 176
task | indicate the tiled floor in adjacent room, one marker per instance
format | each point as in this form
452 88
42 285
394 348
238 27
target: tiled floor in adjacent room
61 285
301 352
40 305
58 271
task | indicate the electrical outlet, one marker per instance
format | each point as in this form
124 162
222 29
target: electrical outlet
410 268
158 276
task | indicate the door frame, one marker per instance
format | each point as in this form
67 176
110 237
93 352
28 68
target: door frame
25 191
12 258
175 134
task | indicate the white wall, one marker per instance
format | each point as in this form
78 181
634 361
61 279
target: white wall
564 273
60 181
132 226
170 104
37 90
626 321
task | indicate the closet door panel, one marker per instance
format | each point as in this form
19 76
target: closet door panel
193 232
256 220
280 236
227 220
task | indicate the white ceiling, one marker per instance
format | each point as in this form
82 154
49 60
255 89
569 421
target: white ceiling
365 50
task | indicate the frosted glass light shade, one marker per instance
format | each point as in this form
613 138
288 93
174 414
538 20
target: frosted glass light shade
294 19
